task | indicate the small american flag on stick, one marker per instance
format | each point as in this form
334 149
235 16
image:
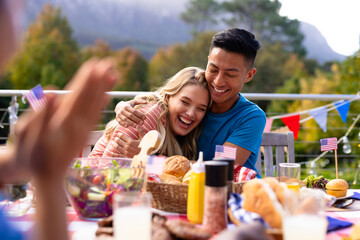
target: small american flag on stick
155 164
36 98
328 144
225 152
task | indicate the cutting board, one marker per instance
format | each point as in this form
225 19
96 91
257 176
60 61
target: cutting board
149 143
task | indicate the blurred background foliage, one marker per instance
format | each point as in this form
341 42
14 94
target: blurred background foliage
50 56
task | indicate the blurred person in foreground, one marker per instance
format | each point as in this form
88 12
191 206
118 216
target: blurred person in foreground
47 141
232 120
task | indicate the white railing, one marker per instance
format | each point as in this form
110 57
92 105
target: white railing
250 96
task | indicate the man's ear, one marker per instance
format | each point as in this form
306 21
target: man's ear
250 74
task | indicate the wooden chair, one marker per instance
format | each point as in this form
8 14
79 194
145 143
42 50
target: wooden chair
90 143
279 141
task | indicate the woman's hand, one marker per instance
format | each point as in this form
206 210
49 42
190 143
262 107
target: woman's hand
127 146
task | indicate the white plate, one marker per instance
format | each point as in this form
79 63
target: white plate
348 194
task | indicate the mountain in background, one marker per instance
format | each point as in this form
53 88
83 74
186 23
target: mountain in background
147 25
317 46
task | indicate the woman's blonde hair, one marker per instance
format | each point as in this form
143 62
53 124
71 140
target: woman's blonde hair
171 144
110 128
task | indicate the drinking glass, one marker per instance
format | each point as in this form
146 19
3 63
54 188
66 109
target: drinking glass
132 215
289 173
16 199
304 217
304 226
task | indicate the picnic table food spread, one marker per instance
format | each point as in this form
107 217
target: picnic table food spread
258 203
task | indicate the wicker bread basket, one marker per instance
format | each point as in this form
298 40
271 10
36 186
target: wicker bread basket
172 197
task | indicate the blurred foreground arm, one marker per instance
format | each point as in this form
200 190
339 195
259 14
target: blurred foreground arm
48 141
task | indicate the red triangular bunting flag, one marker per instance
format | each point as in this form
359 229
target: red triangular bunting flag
293 123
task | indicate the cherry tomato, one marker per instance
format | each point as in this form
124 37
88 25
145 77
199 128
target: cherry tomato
97 180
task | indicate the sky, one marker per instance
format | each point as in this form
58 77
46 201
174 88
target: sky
337 20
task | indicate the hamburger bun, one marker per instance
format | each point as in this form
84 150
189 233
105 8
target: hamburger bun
177 165
337 187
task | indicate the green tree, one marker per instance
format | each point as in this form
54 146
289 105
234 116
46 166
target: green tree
165 63
262 18
168 61
274 67
132 69
49 55
349 74
200 14
100 49
131 66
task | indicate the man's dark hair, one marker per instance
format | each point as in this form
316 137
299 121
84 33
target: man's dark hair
238 41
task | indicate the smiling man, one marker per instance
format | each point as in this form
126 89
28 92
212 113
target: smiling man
232 120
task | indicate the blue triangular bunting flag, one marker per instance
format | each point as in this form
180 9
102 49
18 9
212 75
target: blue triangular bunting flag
320 116
343 109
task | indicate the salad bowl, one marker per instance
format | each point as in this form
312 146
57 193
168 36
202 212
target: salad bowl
90 184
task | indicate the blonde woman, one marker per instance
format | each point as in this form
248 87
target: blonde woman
176 110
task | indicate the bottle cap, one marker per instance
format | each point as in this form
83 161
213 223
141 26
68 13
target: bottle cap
231 162
199 166
216 173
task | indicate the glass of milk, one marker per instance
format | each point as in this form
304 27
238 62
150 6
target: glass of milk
304 226
132 215
304 216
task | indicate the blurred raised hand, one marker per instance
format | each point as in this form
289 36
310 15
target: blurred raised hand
48 140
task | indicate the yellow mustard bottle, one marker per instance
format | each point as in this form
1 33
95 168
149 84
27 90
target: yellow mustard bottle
195 201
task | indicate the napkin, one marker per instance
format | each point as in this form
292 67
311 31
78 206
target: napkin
356 196
235 205
242 174
336 224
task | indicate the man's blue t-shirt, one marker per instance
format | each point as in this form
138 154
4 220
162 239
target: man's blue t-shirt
242 125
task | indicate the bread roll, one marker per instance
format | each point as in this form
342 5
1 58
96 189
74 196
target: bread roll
261 199
177 165
167 178
277 188
186 178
